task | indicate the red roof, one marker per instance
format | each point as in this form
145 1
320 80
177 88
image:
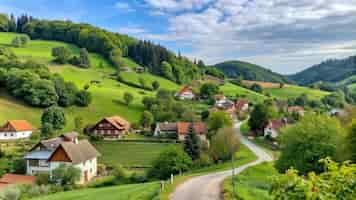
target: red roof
17 125
17 179
184 90
276 124
184 128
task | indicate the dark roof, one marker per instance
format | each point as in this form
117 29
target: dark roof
80 152
53 143
166 126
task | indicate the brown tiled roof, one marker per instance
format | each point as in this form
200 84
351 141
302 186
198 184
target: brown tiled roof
184 128
240 103
119 122
219 97
17 179
80 152
276 124
19 125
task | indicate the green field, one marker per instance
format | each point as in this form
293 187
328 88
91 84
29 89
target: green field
254 183
148 191
107 95
293 91
129 154
232 90
133 77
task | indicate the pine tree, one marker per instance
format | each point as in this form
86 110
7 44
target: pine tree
12 24
192 144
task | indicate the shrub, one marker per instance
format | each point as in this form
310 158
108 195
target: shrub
42 179
10 193
66 175
55 116
83 98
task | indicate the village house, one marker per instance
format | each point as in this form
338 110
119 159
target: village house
16 129
242 105
111 127
14 179
227 107
185 93
296 109
220 99
181 129
139 70
66 149
273 128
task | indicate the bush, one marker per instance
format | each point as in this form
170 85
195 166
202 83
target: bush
83 98
42 179
119 173
55 116
10 193
170 161
66 175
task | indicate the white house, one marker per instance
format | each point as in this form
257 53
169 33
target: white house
220 100
186 93
66 149
242 105
16 129
273 127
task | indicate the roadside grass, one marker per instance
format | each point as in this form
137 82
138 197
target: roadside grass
147 191
243 156
129 154
232 90
293 91
253 183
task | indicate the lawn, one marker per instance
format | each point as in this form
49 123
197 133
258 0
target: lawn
253 183
148 191
293 91
232 90
129 154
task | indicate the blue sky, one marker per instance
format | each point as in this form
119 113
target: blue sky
283 35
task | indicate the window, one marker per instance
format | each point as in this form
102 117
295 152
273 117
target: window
43 163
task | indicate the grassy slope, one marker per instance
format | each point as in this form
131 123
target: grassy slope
129 154
292 91
254 183
146 191
230 89
107 96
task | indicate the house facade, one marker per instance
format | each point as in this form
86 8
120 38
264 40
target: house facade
111 127
16 129
242 105
48 155
273 128
185 93
181 129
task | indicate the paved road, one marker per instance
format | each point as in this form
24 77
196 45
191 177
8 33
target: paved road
208 187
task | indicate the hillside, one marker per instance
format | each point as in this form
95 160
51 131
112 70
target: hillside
328 71
107 95
248 71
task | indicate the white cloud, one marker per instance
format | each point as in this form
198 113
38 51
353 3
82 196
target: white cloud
258 29
124 7
132 30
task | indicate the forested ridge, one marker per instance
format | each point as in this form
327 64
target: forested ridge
156 58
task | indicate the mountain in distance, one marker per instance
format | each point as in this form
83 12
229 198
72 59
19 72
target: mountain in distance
333 71
249 71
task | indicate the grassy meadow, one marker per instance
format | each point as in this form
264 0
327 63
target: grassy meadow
148 191
129 154
253 183
293 91
232 90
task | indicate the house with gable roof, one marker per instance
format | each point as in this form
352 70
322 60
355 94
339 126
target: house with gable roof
111 127
16 129
185 93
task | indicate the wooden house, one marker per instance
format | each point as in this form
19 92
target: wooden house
111 127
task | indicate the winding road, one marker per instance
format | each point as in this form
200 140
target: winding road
208 187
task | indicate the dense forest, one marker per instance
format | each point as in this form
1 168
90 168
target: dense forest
328 71
157 59
248 71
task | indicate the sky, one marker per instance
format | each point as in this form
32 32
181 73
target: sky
285 36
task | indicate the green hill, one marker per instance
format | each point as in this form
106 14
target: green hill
248 71
232 90
107 94
328 71
293 91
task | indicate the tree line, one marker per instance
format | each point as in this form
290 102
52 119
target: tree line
156 58
33 83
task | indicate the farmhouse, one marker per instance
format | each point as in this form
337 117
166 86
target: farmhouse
242 105
139 69
185 93
47 155
16 129
296 109
273 127
181 129
227 107
220 99
111 127
14 179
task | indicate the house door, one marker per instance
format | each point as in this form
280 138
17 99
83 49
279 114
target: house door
86 178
